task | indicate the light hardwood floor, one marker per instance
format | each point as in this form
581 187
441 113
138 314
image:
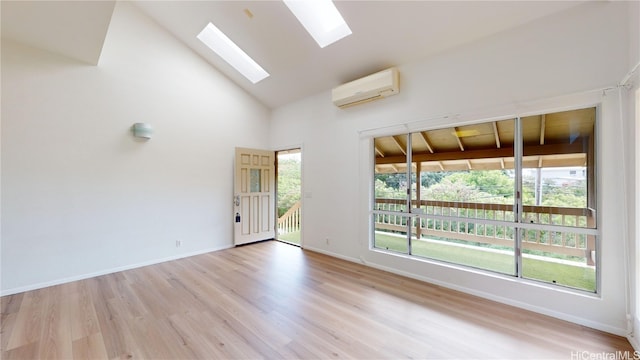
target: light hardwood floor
273 300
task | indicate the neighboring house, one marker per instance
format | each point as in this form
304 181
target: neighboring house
564 175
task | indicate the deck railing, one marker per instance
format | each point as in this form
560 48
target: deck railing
290 220
464 224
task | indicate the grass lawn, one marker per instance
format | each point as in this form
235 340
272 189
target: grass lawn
292 237
579 277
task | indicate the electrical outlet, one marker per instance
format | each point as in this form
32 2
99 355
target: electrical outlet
178 243
326 240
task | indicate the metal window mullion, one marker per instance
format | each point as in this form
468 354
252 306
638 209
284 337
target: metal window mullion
409 152
517 206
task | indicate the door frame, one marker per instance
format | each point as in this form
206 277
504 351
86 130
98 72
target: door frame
299 147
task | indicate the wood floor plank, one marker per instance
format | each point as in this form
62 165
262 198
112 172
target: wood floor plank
273 300
28 351
56 337
6 328
29 323
11 304
196 335
113 319
89 347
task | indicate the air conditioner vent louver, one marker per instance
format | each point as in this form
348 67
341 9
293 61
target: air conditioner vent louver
369 88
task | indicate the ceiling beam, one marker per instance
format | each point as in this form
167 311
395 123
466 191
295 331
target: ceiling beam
543 121
532 150
455 133
395 140
495 133
426 142
378 151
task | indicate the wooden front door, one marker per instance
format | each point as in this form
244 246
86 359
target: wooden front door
254 196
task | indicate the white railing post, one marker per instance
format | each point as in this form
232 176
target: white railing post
290 220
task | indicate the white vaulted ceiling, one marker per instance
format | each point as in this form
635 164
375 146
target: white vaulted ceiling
76 29
385 33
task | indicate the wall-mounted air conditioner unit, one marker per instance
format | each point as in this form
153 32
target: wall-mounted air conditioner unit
373 87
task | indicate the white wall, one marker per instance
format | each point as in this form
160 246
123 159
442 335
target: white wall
547 65
634 215
633 113
80 195
633 131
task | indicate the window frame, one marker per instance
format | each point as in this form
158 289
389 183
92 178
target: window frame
519 225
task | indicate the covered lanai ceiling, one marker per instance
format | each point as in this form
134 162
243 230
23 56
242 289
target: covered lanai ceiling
562 139
385 33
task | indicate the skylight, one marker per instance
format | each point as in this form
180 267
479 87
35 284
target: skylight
321 18
217 41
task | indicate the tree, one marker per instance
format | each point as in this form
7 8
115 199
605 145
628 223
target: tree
565 195
494 186
384 191
393 180
495 182
486 186
288 184
455 189
432 177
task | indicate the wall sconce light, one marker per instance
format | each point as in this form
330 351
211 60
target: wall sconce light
142 130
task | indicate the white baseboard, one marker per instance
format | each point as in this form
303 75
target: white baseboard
106 271
486 295
339 256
